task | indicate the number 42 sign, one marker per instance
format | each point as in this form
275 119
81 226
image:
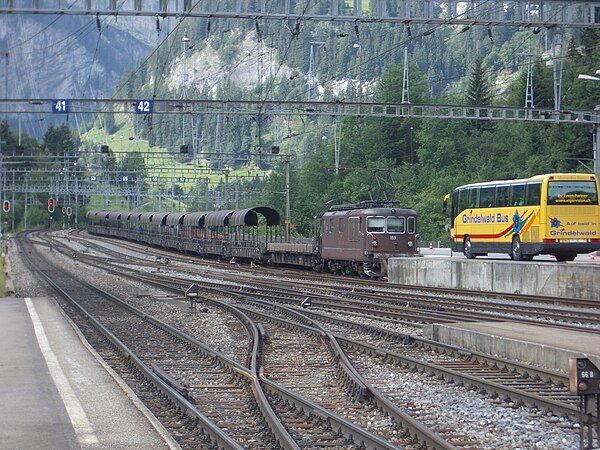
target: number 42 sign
143 106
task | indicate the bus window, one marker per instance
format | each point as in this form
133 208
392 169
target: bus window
517 194
486 197
534 194
395 225
463 200
412 225
454 206
474 198
501 196
375 224
572 193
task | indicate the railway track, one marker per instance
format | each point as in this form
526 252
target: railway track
373 352
510 382
418 305
227 396
413 293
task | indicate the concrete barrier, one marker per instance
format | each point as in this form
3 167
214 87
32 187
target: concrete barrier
528 278
541 346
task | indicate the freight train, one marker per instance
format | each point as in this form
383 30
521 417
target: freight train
350 239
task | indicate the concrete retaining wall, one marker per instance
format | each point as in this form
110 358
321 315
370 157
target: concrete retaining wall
545 347
529 278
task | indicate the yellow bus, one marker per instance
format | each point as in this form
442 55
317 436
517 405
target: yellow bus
556 214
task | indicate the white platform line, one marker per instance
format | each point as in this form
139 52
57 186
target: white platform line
83 429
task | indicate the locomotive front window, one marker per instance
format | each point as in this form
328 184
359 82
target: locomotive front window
396 225
375 224
412 225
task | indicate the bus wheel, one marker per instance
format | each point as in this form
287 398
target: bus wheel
516 252
562 257
468 249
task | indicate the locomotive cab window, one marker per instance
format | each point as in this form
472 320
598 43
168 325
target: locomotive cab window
375 224
412 225
341 225
331 226
396 225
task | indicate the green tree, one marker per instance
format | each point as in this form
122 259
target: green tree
479 87
58 140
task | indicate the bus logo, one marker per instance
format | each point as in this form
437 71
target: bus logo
517 222
555 223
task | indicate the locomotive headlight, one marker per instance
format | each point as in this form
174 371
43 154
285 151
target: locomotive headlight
410 243
375 242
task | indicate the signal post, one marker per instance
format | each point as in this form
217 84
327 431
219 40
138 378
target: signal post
584 380
6 209
50 211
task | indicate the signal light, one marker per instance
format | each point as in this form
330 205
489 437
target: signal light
6 206
50 205
584 377
68 211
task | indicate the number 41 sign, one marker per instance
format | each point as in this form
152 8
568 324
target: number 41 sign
60 106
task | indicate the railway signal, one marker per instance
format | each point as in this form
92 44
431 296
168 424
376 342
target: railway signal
584 380
584 377
69 211
6 206
50 205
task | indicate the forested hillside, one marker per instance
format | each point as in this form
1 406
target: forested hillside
427 158
419 160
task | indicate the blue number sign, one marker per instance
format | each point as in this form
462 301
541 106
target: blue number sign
60 106
143 106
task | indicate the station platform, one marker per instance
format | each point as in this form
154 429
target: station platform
580 280
546 347
57 393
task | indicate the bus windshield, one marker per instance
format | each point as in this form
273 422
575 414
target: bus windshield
572 193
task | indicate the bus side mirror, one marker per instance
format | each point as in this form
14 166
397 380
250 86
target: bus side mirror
445 204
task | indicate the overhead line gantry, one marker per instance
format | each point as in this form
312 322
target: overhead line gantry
299 108
547 13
